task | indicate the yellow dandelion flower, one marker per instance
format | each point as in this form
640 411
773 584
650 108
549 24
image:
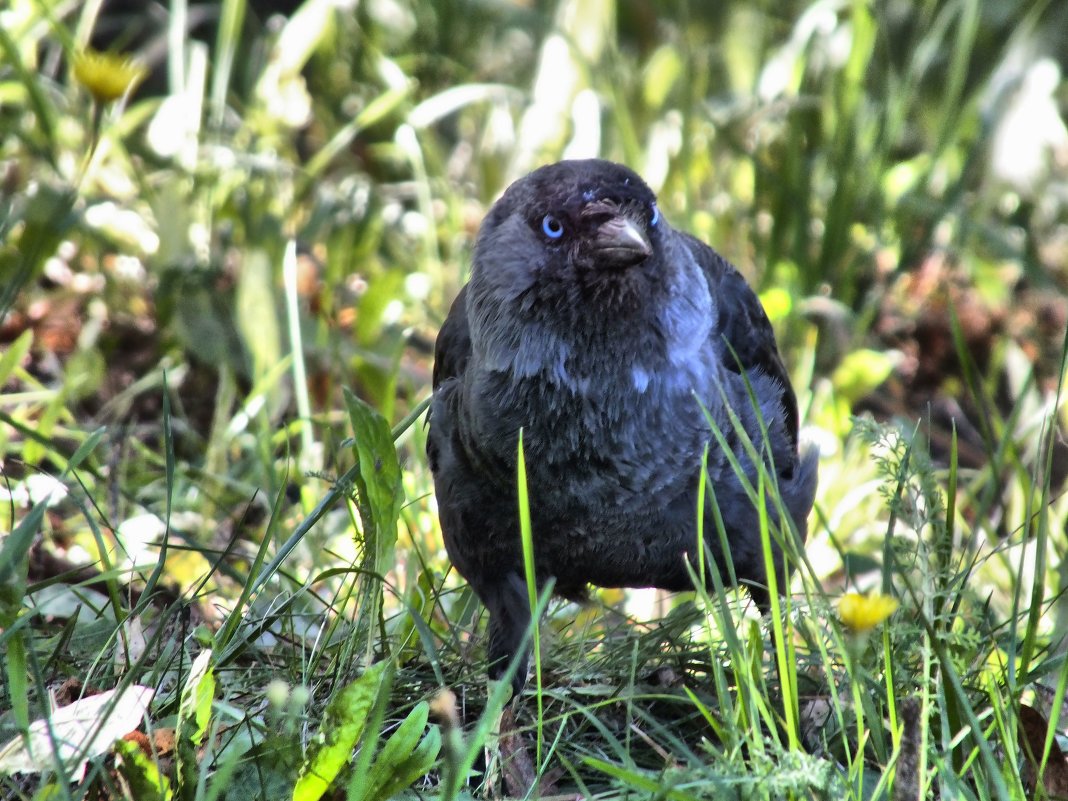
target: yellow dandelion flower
107 76
862 613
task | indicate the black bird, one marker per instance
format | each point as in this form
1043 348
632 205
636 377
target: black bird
603 334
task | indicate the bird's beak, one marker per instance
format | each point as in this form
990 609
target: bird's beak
620 242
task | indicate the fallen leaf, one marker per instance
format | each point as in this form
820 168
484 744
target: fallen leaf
1032 737
81 731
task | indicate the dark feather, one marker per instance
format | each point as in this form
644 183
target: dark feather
745 327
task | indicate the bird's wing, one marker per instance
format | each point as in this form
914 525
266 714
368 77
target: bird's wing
451 353
453 347
744 325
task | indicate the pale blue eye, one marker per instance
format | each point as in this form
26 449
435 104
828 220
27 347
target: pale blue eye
552 227
656 215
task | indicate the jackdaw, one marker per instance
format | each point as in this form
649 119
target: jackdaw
615 343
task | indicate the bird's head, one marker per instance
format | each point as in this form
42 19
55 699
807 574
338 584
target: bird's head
575 234
575 271
593 213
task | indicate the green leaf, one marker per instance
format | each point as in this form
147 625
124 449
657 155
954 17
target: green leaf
861 372
13 560
302 34
51 792
777 303
256 318
197 696
383 291
378 483
418 764
16 666
378 500
141 773
403 759
635 779
203 316
343 723
14 354
405 739
86 448
36 449
194 714
662 72
47 218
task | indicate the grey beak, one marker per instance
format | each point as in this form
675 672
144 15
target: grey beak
620 242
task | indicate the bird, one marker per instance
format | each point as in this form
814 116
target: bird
615 344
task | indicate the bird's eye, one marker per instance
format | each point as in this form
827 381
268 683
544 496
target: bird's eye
552 227
656 215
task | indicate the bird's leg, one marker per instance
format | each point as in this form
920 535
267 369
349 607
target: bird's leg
761 598
509 610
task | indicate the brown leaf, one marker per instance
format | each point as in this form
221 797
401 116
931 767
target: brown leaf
1032 737
517 764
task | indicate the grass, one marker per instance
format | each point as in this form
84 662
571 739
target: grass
217 305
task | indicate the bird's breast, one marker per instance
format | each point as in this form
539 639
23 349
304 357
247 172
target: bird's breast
604 439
